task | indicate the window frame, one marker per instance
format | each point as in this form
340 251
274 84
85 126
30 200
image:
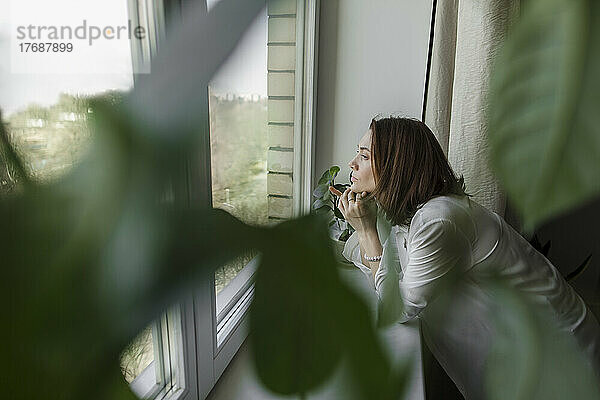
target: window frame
221 331
174 332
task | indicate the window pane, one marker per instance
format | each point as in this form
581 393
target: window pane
47 115
47 122
238 132
50 138
138 355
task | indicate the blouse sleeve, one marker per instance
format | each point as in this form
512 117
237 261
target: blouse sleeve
385 282
436 252
352 253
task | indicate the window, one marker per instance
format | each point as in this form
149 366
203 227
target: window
238 137
259 146
162 358
47 121
256 165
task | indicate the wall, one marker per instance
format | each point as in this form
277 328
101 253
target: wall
372 60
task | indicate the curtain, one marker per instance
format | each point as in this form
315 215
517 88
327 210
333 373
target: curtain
467 36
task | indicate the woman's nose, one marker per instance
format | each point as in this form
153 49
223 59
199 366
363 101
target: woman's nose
352 163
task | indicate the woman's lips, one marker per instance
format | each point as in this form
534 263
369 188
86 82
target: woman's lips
353 179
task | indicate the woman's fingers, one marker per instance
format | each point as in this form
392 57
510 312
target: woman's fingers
335 191
352 196
348 202
340 206
344 198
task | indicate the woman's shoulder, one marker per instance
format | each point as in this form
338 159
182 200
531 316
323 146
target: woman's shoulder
451 208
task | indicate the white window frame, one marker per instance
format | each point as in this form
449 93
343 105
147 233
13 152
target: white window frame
221 331
173 333
209 332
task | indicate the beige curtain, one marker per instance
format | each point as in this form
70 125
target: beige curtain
467 36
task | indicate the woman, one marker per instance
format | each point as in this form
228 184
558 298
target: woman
439 233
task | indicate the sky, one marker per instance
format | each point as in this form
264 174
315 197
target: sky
244 72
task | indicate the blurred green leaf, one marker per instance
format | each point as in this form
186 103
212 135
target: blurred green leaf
93 258
543 123
294 337
304 320
531 357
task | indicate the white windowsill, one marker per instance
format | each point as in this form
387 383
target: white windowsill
231 294
233 303
144 386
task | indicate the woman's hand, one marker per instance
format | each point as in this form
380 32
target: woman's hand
361 214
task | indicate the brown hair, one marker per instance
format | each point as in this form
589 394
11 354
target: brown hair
409 167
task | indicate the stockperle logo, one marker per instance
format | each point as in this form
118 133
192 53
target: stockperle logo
85 31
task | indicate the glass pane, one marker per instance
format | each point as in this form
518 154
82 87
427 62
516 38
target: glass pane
47 122
138 355
238 132
46 115
50 138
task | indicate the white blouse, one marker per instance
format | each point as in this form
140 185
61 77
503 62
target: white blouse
454 236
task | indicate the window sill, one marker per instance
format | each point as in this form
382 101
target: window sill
235 290
233 302
144 386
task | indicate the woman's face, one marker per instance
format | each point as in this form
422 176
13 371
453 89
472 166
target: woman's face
362 178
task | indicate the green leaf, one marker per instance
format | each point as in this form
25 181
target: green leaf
345 235
324 180
544 126
579 270
338 214
89 260
341 187
304 320
531 357
324 211
293 322
320 203
320 190
333 171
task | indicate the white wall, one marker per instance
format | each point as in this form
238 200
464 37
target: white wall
372 60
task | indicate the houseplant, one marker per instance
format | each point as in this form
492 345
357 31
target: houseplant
326 204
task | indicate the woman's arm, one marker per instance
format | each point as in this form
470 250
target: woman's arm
362 215
370 245
384 276
438 253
